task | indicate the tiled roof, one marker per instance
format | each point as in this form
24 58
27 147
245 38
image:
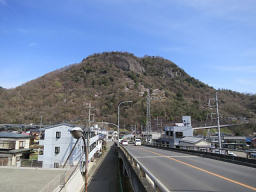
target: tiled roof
12 135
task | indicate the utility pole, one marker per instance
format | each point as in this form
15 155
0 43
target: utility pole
157 123
135 130
39 136
87 147
148 123
89 115
41 121
218 120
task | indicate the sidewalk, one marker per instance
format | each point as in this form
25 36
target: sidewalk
106 177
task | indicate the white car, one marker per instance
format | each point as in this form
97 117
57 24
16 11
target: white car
124 142
232 154
137 142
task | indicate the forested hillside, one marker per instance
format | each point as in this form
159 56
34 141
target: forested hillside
108 78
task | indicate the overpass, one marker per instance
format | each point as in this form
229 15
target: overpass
175 171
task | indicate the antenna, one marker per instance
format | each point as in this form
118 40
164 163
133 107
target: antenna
218 116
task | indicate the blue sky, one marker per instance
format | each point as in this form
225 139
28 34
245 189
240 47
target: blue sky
212 40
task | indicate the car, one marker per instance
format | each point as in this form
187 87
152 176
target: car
124 142
232 154
137 142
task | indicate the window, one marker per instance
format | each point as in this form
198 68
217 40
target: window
179 134
21 144
171 133
41 152
57 150
58 134
56 165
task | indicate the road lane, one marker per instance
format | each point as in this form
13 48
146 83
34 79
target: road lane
183 172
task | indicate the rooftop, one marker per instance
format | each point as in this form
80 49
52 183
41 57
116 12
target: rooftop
12 135
191 139
27 179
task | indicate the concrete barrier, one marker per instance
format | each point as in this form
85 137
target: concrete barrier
141 179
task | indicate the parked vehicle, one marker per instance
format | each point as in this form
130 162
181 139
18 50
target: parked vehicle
137 142
124 142
253 155
231 154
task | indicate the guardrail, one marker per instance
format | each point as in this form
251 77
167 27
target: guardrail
144 173
222 157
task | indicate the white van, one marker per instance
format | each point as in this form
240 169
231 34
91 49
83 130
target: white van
137 142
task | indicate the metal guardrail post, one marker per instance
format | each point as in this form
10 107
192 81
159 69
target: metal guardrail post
142 173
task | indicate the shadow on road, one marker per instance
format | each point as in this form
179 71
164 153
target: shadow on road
106 177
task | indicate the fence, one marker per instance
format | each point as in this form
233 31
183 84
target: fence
31 163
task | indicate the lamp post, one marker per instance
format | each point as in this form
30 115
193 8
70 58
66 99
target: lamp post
118 116
78 133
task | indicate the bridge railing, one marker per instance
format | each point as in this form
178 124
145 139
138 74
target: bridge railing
144 173
217 156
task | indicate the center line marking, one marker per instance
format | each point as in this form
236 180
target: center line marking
204 170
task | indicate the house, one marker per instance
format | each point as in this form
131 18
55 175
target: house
194 143
173 134
13 147
57 143
229 142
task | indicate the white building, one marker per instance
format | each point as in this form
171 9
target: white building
173 134
57 144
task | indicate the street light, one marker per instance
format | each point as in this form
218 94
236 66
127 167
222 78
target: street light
118 115
78 133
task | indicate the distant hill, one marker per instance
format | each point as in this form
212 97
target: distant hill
108 78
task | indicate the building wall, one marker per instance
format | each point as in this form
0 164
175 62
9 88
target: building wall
16 142
65 144
187 131
25 144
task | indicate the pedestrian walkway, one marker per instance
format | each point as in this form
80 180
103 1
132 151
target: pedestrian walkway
106 177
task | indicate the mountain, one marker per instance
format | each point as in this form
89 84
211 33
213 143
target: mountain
108 78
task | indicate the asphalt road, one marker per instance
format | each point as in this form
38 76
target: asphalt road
183 172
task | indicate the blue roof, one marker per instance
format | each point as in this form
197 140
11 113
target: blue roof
12 135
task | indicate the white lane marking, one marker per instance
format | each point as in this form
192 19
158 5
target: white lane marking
142 157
